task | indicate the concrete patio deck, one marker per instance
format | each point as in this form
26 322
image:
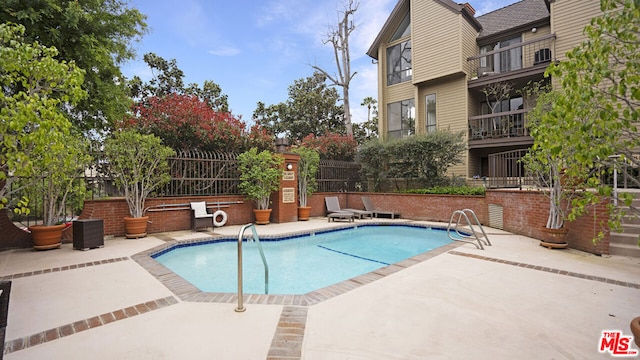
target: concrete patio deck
514 299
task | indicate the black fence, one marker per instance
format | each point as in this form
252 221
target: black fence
193 173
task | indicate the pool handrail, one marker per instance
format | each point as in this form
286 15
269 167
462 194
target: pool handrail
463 237
256 238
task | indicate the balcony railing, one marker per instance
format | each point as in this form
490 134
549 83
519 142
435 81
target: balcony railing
515 57
498 125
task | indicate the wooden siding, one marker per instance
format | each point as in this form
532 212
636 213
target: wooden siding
451 110
528 52
568 19
469 46
435 40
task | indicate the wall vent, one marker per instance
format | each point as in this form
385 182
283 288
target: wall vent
495 216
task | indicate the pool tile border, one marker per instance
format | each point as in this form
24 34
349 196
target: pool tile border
188 292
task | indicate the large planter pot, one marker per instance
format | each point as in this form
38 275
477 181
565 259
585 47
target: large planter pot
303 213
46 237
135 227
635 330
554 238
262 216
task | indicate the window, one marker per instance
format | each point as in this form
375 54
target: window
399 63
511 59
401 118
515 103
503 61
403 30
431 112
504 125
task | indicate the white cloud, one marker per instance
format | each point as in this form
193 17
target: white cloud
225 51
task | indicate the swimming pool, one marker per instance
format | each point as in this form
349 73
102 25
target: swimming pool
300 264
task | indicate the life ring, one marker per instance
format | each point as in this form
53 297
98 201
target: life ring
215 218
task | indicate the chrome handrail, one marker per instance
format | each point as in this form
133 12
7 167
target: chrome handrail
256 238
463 237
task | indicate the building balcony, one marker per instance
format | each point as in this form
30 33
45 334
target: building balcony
499 129
520 61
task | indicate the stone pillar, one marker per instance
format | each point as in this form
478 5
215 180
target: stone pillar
284 202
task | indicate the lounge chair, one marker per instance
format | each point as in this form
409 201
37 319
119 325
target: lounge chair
200 217
369 206
341 215
333 206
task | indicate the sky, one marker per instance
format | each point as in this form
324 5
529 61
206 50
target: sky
255 49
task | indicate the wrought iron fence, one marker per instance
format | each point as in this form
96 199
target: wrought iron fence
197 173
193 173
507 171
339 176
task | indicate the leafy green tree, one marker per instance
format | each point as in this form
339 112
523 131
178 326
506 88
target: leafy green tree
168 79
311 109
425 158
307 169
97 36
35 88
596 110
138 164
375 163
368 130
260 174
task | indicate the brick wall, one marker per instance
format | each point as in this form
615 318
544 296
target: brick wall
113 211
523 212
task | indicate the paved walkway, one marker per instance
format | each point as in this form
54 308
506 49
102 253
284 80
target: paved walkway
514 299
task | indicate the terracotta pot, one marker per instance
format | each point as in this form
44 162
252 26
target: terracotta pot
303 213
135 227
262 216
554 238
46 237
635 330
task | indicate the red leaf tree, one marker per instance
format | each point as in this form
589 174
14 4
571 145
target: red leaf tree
185 122
332 146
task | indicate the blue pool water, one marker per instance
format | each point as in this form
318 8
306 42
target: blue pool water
301 264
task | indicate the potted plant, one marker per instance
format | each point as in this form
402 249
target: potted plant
260 174
138 165
547 165
36 143
307 184
59 168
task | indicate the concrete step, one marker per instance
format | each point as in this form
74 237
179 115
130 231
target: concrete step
631 219
624 238
624 250
631 228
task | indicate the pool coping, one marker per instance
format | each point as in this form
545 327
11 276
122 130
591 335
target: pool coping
188 292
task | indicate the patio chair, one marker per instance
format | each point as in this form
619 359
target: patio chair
369 206
333 206
200 217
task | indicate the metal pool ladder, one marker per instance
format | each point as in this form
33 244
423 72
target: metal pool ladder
241 307
462 214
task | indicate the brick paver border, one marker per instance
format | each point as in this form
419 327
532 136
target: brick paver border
86 324
549 270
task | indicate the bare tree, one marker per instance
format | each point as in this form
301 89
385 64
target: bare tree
339 39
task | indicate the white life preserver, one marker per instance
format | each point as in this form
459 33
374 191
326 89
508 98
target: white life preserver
215 218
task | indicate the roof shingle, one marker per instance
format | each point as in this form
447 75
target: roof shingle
511 16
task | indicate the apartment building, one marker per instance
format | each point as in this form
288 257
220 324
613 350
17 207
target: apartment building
442 67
